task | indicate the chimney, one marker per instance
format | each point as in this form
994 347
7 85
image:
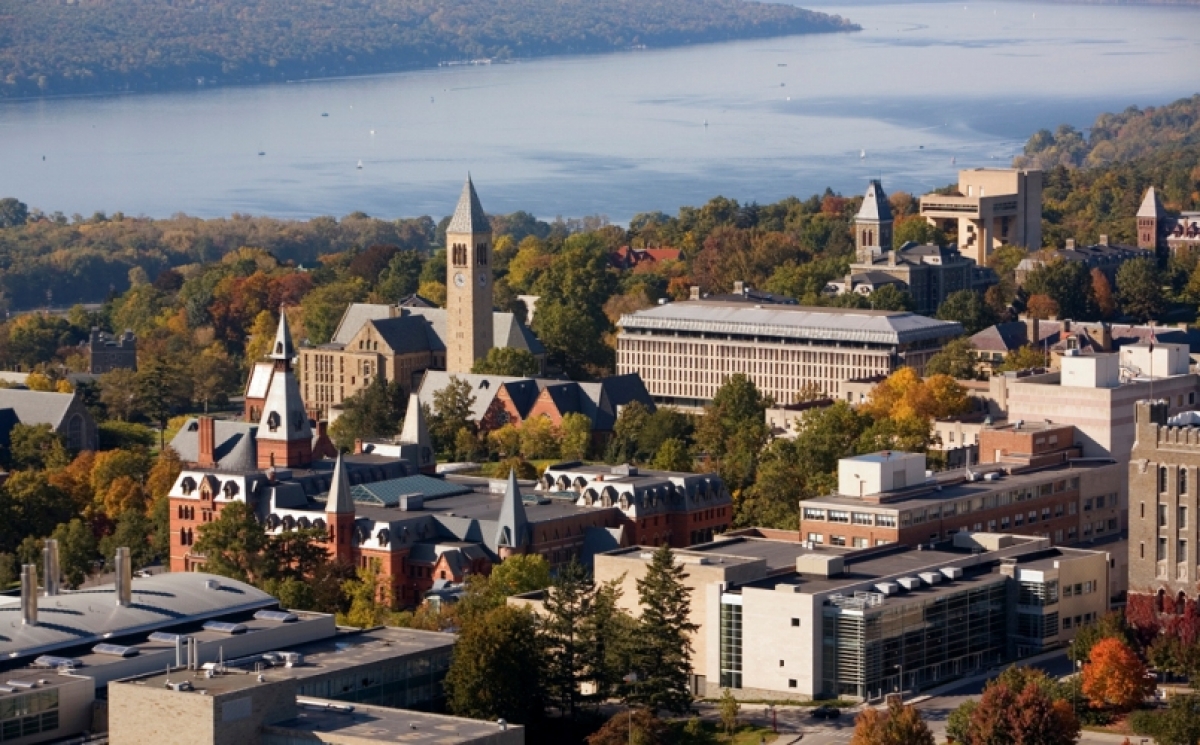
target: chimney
50 572
1070 244
358 445
695 293
208 443
891 258
1066 325
1103 239
1033 329
124 578
29 594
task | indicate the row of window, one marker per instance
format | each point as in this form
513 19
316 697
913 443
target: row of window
840 540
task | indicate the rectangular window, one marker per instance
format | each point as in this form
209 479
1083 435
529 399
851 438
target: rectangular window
813 514
1181 554
839 516
1162 515
816 538
1072 508
1162 550
1004 523
837 540
1182 517
861 518
860 543
1087 505
885 521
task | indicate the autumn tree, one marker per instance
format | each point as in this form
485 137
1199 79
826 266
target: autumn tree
1042 307
899 725
1019 709
1114 676
637 725
575 436
1102 290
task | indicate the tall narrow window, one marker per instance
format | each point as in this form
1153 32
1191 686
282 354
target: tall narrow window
1162 479
1162 515
1182 480
1182 517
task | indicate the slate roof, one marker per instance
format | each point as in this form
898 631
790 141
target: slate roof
790 322
507 330
260 380
422 327
1013 334
235 448
468 216
1151 207
37 407
875 204
340 499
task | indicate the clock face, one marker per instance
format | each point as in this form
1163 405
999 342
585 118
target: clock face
459 279
482 280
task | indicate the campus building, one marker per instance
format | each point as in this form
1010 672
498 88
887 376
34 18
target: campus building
199 634
65 413
107 352
928 273
1163 233
1164 565
401 342
993 207
778 620
1104 256
684 351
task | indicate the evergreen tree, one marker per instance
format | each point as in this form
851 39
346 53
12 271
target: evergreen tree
662 649
567 606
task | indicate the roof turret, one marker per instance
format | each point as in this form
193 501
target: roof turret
512 530
875 205
283 349
340 501
1151 207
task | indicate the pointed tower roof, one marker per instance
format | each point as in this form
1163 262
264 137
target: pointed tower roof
284 417
283 349
468 215
1151 207
416 432
875 204
512 529
340 502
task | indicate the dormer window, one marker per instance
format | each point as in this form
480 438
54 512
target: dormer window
188 485
278 347
273 421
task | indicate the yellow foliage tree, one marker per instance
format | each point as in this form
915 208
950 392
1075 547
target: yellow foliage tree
37 381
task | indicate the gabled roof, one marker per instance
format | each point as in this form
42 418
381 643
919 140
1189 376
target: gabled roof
507 330
469 217
408 333
37 407
875 205
355 316
1151 207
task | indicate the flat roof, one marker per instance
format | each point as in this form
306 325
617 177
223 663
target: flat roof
91 616
378 724
929 495
792 322
778 554
482 506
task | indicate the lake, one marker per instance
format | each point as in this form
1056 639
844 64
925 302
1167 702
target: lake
922 84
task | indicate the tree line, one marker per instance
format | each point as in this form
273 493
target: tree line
53 48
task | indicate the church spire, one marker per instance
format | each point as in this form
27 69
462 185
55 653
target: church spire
340 501
512 529
469 217
416 432
283 349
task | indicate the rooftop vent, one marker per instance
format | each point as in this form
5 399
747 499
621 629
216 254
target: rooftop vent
166 637
952 573
57 663
888 588
930 578
279 616
224 627
115 650
909 583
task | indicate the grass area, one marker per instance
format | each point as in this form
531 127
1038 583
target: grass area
746 734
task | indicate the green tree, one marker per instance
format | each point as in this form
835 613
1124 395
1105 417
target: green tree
564 631
1140 289
666 423
518 574
76 551
1023 358
34 505
967 307
729 710
662 649
13 213
1110 625
234 545
324 306
1068 284
890 297
214 376
672 455
623 447
1178 725
575 436
497 668
374 412
958 723
369 595
452 411
118 393
539 437
917 230
509 361
401 277
957 359
733 430
133 532
37 446
161 390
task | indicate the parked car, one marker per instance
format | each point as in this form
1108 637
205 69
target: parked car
826 712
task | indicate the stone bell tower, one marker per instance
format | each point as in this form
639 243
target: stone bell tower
468 283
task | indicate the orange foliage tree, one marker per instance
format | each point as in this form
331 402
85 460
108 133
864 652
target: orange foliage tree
1115 677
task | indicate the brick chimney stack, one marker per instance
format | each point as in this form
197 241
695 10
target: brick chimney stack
205 457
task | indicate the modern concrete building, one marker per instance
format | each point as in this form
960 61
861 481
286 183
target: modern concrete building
1164 563
993 207
684 351
785 620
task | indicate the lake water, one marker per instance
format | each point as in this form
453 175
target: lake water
615 134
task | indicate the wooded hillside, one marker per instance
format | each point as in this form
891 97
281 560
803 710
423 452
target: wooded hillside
74 46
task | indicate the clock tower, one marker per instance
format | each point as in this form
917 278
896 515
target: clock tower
468 283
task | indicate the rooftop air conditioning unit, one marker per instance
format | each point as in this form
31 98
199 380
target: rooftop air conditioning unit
930 578
952 573
909 583
887 588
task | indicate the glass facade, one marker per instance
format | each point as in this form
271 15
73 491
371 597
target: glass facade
28 714
405 683
871 647
731 643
